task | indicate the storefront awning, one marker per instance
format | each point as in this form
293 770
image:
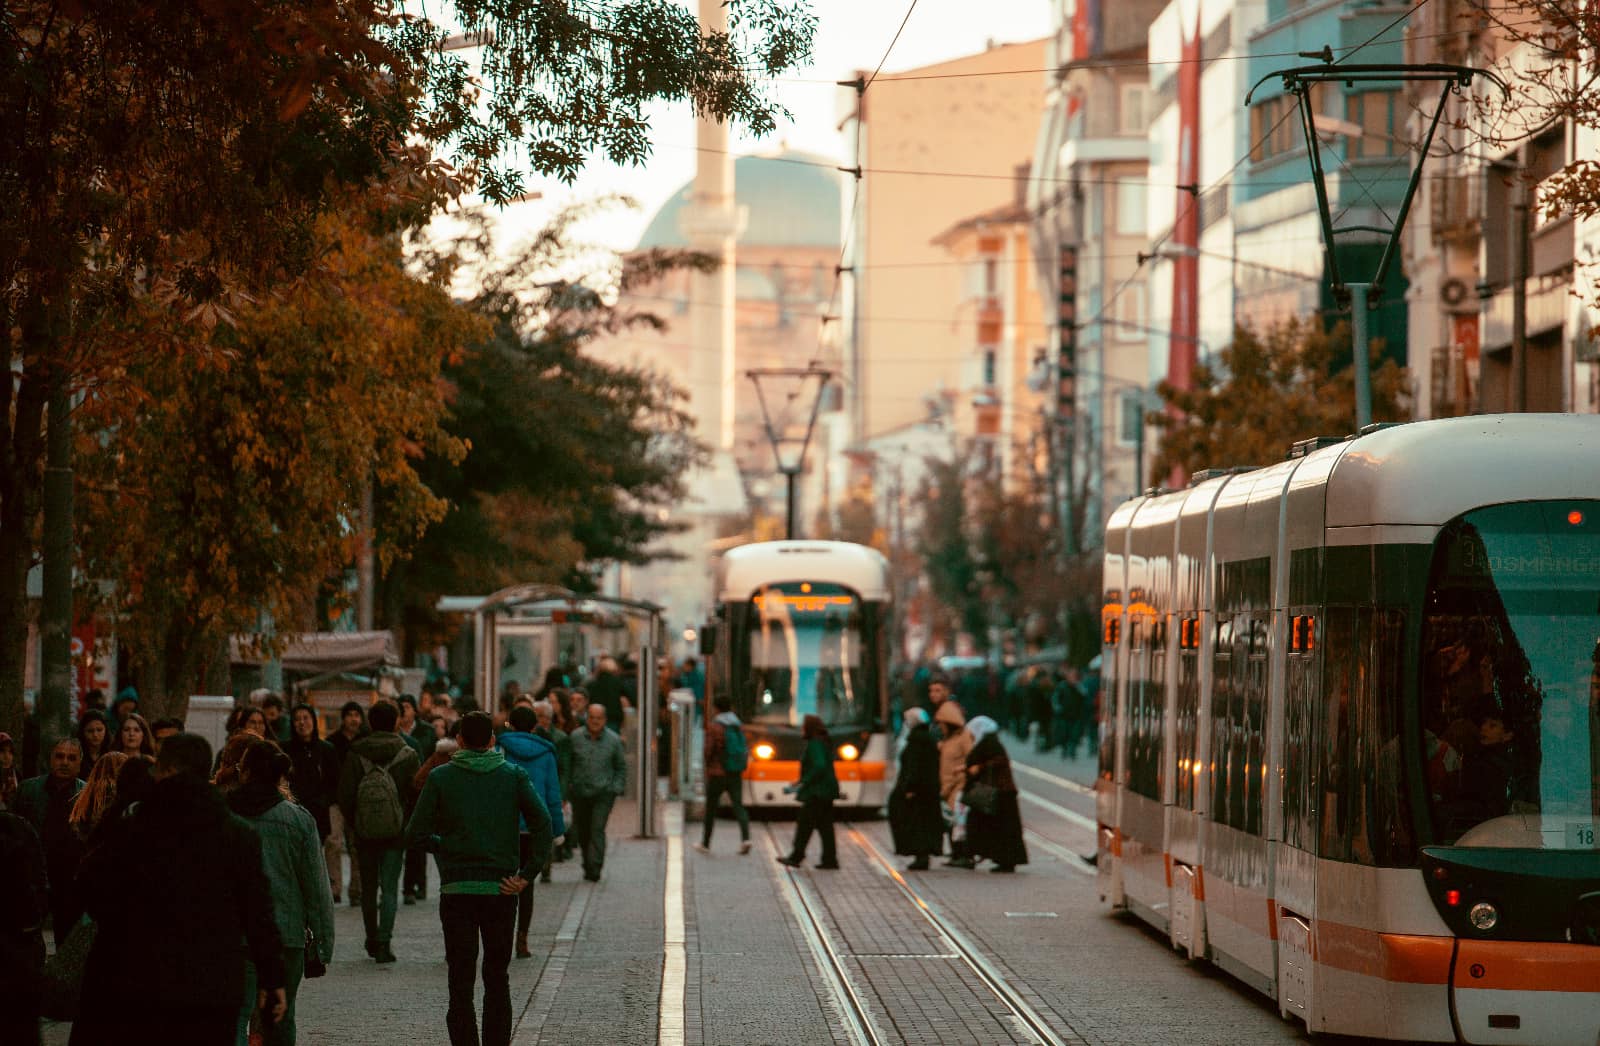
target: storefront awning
321 652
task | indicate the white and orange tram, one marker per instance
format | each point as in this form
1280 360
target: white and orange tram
1351 722
803 628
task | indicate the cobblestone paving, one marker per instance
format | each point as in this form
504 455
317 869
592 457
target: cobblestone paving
751 976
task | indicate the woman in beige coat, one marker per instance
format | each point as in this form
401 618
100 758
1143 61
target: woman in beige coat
953 751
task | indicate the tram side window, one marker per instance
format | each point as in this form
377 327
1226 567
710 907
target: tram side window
1156 702
1299 751
1138 730
1187 729
1106 702
1338 685
1365 818
1255 725
1221 688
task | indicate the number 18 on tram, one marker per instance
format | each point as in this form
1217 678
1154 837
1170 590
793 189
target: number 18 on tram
803 629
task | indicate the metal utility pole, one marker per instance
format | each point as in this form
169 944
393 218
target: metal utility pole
1519 294
1362 295
789 442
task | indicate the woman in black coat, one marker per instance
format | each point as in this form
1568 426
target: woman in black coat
315 777
994 824
915 819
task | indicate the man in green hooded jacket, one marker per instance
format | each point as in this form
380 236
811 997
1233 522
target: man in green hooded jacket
469 816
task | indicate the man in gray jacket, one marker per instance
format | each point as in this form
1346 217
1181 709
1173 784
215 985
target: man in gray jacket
599 775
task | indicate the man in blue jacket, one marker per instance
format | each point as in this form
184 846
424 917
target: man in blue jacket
537 758
470 814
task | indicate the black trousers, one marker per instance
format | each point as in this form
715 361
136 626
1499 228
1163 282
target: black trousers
816 815
525 898
589 816
415 879
468 919
732 786
22 972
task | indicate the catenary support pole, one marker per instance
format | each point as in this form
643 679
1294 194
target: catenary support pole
790 479
1359 353
645 716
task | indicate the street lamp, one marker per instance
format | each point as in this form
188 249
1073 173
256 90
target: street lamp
1360 295
801 392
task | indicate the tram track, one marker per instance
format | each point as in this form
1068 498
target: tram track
853 993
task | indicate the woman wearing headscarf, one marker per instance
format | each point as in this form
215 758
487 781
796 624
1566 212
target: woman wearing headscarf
817 788
954 745
915 821
994 824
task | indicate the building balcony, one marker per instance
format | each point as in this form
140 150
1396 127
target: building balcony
1455 206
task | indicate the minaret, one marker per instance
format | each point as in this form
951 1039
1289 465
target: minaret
712 223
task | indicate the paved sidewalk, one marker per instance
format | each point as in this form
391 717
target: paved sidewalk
600 983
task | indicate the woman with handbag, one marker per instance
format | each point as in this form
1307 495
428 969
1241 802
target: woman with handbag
994 823
291 856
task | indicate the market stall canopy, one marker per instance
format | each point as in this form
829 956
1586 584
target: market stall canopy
321 652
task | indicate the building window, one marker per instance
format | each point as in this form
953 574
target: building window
989 367
1275 123
1130 417
1130 113
991 278
1130 206
1373 112
1128 314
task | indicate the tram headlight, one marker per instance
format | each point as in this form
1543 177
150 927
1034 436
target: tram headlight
849 753
764 751
1484 916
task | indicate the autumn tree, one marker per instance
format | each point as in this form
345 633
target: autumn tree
179 155
220 491
572 461
1267 390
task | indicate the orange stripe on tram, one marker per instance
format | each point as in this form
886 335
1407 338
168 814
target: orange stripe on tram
1528 966
1407 958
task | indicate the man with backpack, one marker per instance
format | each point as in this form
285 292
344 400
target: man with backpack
374 792
727 755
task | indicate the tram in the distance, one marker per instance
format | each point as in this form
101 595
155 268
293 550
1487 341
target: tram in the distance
802 628
1352 728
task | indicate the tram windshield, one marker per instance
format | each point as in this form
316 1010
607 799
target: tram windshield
806 656
1511 677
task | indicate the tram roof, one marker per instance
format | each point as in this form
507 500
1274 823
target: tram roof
1426 473
1419 474
745 569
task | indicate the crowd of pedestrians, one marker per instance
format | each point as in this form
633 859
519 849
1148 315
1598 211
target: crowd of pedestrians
262 837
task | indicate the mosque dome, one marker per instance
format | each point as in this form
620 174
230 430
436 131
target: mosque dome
792 199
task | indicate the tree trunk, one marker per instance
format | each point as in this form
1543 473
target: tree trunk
21 478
